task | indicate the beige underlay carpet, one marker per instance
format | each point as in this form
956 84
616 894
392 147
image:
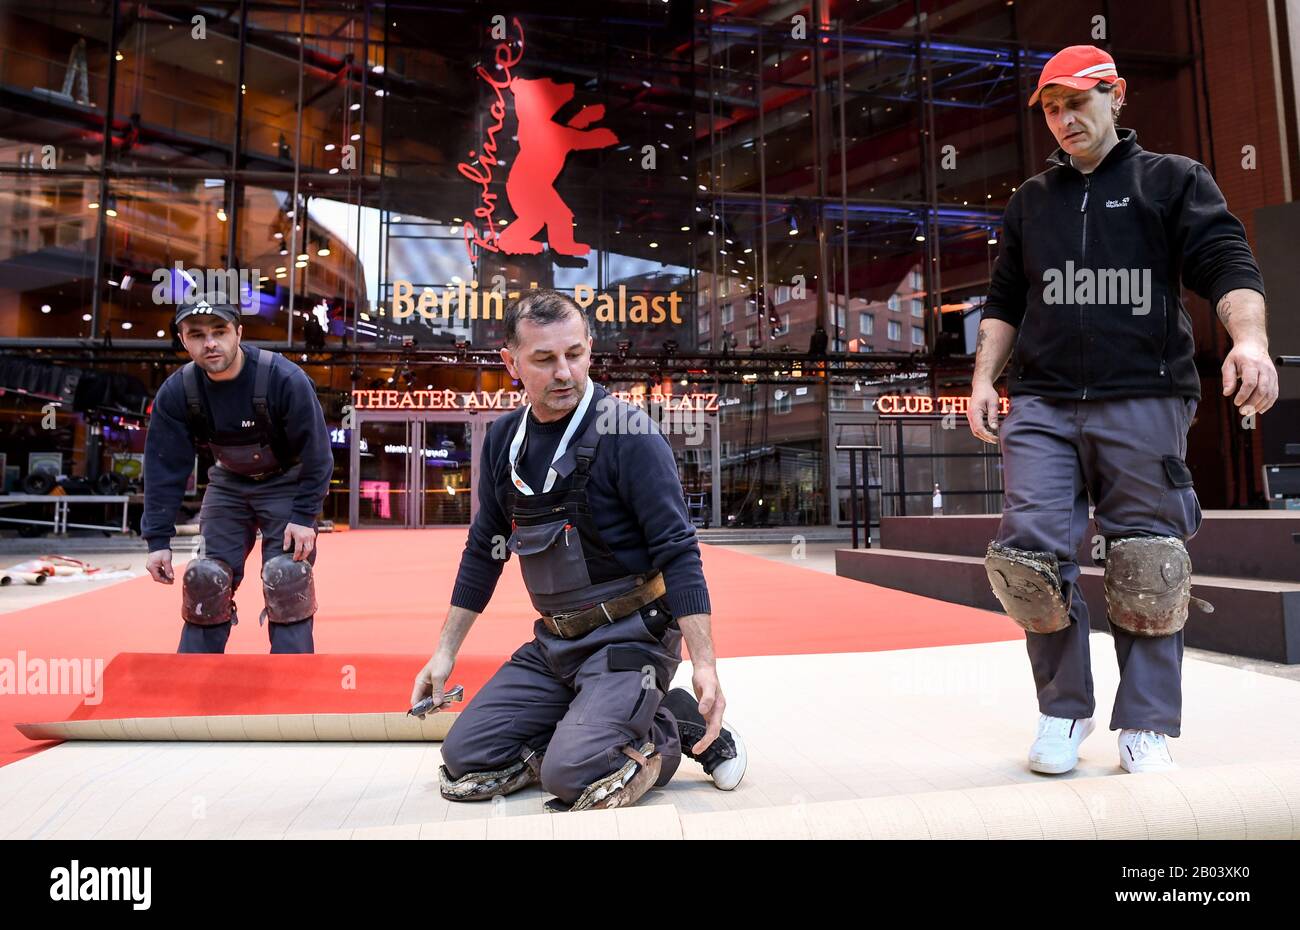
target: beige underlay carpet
910 743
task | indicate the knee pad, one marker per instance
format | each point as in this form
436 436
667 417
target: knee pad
482 786
289 590
624 787
1028 585
1148 584
207 592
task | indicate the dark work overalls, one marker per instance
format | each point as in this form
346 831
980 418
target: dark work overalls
574 702
251 486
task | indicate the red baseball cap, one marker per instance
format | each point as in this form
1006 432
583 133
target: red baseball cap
1079 66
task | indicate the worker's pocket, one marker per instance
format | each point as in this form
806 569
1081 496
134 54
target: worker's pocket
551 557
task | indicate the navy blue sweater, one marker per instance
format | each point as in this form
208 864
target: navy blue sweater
636 500
169 447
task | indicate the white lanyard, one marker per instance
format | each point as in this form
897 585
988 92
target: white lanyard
518 441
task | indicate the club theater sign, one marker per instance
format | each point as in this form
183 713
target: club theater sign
902 405
448 399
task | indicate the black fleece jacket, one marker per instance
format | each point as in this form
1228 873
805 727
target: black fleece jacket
1090 269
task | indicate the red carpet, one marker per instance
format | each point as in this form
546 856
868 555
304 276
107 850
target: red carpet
385 592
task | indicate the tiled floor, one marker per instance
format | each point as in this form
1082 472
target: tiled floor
820 728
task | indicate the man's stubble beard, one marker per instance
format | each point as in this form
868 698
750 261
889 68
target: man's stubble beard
566 405
216 368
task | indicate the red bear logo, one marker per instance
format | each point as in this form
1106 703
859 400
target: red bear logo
543 146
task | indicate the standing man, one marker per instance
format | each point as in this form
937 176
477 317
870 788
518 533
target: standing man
257 413
1104 388
585 491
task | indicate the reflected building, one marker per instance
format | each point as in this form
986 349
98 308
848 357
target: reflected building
773 214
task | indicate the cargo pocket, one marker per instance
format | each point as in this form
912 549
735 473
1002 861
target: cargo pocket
627 695
1179 513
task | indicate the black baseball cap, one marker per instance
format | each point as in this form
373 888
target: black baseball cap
198 305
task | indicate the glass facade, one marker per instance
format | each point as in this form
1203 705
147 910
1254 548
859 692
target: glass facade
791 211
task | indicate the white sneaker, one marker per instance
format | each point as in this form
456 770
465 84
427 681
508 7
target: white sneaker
1144 751
1056 748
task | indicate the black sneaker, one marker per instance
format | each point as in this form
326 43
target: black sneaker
725 760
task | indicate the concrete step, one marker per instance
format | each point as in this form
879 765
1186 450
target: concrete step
1252 618
756 535
1233 543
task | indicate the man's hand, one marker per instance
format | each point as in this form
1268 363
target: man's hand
432 678
982 411
301 539
159 566
705 682
1249 363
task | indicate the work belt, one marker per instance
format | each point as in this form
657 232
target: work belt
575 623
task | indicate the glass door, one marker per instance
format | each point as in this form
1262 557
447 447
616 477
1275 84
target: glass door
383 486
445 473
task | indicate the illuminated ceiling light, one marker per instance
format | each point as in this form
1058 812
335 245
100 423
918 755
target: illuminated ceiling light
748 250
334 171
329 146
355 136
378 69
85 318
794 230
45 308
654 245
303 257
281 270
279 235
355 107
300 264
126 325
398 219
119 56
920 237
379 91
93 205
160 334
221 214
686 229
703 188
323 250
221 61
263 278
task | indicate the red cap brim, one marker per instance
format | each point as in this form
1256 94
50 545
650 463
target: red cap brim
1078 83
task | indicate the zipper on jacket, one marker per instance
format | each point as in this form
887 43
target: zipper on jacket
1164 345
1083 261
